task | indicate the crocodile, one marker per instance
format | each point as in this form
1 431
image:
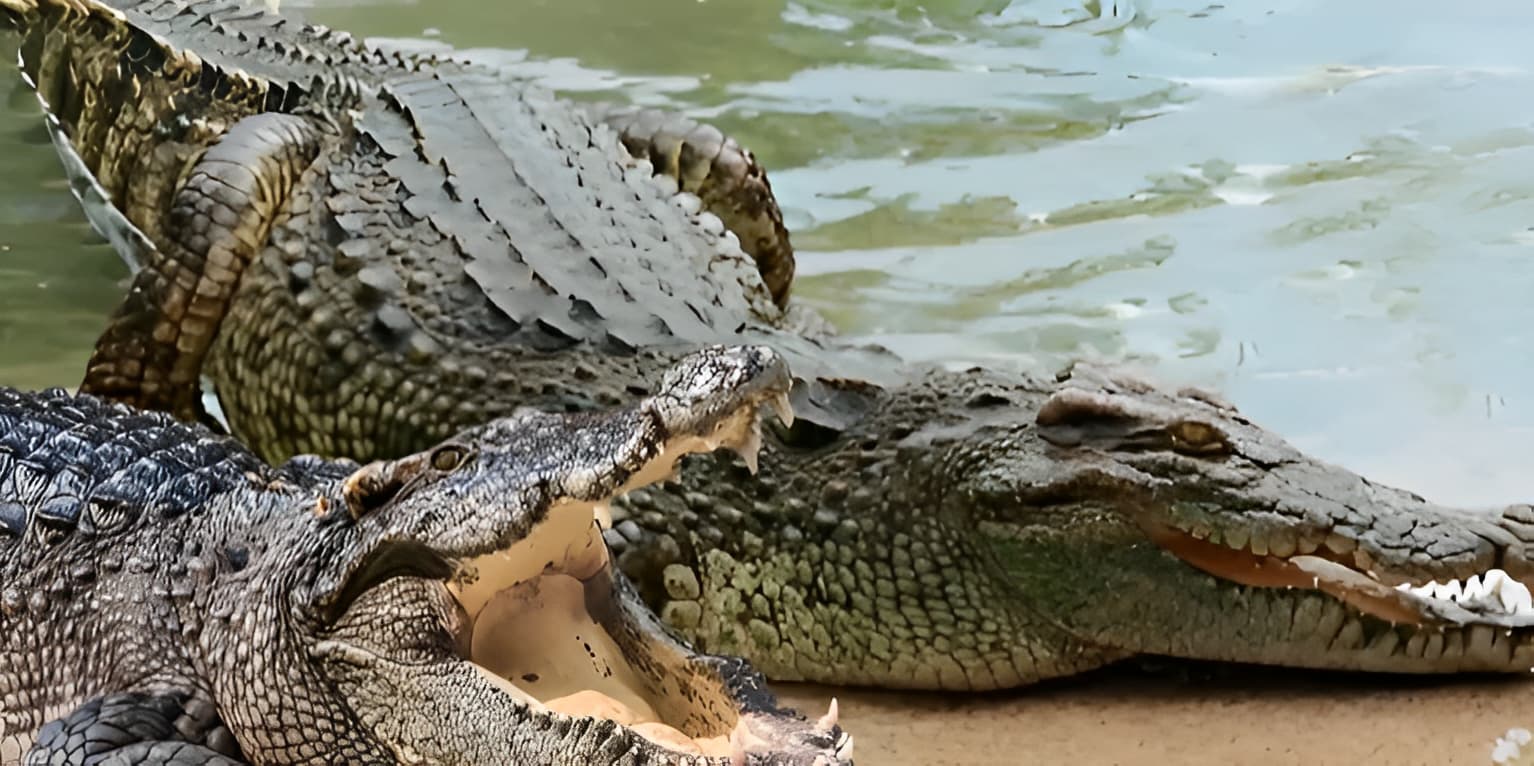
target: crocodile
363 250
168 597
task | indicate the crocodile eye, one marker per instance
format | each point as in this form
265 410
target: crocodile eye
448 458
1195 438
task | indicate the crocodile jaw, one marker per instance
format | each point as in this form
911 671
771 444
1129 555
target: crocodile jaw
536 615
1489 598
536 624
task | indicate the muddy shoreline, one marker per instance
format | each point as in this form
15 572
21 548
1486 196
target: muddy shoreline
1189 715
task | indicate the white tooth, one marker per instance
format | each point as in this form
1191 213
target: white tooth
1406 586
1472 590
751 449
844 748
742 742
604 515
783 408
1515 596
1449 591
827 722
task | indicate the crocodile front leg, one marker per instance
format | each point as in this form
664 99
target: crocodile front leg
152 351
173 729
724 175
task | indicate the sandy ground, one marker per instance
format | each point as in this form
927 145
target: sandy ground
1202 716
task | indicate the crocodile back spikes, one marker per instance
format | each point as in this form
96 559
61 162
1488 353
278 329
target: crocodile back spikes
723 174
79 466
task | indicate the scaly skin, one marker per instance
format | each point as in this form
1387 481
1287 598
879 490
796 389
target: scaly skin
918 528
723 175
166 597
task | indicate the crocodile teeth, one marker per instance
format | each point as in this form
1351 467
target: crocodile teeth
750 449
604 515
742 742
827 722
844 748
1516 599
1494 591
783 407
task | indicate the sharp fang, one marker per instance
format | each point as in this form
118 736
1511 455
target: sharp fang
1494 591
844 748
750 449
1515 596
1450 591
783 408
827 722
604 515
742 742
1473 589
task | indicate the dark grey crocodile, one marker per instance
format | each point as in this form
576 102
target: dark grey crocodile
168 598
365 251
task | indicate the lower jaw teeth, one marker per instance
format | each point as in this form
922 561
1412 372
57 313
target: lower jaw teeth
1494 592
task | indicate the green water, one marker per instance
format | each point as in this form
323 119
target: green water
1324 210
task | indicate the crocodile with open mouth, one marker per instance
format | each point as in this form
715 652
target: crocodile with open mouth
167 597
365 250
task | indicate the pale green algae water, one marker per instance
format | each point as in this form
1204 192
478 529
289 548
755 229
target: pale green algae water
1322 209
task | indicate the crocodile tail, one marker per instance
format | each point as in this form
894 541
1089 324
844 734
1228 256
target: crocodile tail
135 90
125 109
724 175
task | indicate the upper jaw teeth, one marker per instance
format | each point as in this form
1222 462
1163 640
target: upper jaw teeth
783 407
1495 592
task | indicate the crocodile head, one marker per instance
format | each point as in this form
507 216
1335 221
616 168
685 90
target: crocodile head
474 594
1140 520
978 529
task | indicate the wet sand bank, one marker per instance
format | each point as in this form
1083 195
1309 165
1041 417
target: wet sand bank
1242 716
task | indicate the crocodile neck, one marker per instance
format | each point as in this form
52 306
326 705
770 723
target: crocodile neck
152 556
